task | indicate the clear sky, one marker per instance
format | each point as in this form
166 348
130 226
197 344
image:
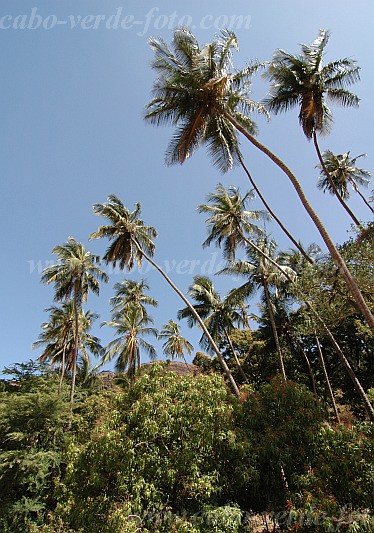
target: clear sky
72 101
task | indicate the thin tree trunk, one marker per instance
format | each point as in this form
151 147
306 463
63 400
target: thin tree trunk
337 258
75 352
198 318
329 388
245 317
62 370
368 406
310 370
332 184
275 333
356 189
239 366
267 207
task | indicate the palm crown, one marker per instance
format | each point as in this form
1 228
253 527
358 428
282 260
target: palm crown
126 231
343 171
194 86
229 219
303 80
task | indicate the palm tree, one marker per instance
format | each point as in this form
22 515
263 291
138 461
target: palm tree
132 241
57 338
305 81
131 293
343 172
220 316
175 345
130 328
197 91
74 275
261 273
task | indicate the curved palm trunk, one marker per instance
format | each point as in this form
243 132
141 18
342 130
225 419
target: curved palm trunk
331 181
329 388
267 207
368 406
275 333
239 366
198 318
337 258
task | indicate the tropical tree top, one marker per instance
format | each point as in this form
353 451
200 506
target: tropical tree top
76 272
343 171
193 86
175 344
126 231
229 219
130 330
131 293
304 80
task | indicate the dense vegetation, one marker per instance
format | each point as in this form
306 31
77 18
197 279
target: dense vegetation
273 429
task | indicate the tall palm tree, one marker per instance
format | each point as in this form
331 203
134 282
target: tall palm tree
175 344
261 273
57 338
130 328
131 293
197 91
343 172
220 315
74 275
132 241
304 81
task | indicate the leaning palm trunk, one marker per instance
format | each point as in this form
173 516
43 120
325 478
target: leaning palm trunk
197 317
368 406
239 366
271 212
329 388
332 184
337 258
273 326
356 189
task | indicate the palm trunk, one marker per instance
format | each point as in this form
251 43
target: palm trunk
368 406
75 352
267 207
356 189
329 388
239 366
337 258
62 370
245 317
332 184
198 319
275 333
310 370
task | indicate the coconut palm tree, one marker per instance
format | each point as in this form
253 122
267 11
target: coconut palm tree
131 293
220 315
343 172
198 91
57 338
304 81
130 328
131 241
75 274
175 345
261 273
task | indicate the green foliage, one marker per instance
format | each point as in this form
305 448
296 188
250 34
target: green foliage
164 446
31 439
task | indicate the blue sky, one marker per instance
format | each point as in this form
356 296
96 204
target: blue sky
72 132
